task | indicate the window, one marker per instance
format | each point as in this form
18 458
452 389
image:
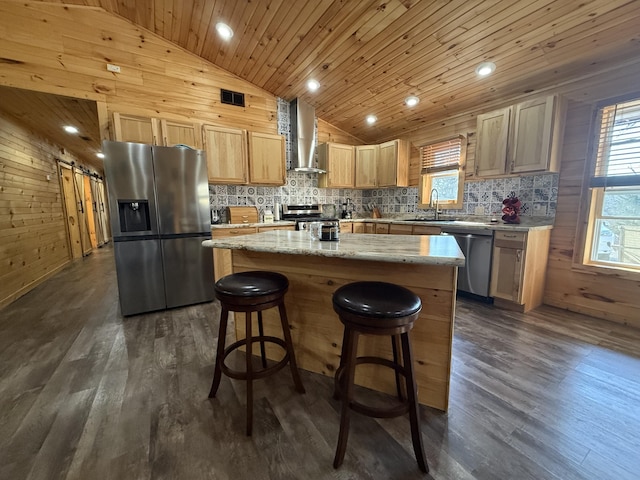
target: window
613 235
443 171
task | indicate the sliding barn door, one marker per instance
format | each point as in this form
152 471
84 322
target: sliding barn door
70 209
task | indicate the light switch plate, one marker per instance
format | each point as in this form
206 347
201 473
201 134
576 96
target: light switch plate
479 210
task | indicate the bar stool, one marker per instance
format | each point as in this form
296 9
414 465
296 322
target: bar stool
253 292
377 308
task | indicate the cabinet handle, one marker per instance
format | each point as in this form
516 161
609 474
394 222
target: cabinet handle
519 255
509 236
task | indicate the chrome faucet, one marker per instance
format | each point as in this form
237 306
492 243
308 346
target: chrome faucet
437 213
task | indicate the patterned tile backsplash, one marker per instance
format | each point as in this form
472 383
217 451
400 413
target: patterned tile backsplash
538 193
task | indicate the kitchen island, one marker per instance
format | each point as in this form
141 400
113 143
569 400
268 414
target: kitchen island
426 264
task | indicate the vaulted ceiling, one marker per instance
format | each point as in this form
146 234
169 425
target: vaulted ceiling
369 55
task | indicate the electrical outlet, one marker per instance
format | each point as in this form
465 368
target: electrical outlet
479 210
113 68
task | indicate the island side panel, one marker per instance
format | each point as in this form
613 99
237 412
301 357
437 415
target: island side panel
317 331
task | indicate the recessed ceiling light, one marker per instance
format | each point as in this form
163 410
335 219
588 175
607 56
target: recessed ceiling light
224 30
411 101
70 129
371 119
313 85
100 155
485 68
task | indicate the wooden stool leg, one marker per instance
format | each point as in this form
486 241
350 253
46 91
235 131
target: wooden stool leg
395 346
222 333
336 380
414 412
249 373
292 356
347 397
261 333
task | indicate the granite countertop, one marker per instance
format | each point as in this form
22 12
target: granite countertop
417 249
479 223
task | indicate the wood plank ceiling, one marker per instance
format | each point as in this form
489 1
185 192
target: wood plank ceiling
369 55
48 114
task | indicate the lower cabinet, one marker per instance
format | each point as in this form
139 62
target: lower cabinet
518 269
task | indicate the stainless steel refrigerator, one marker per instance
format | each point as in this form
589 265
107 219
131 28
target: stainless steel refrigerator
159 209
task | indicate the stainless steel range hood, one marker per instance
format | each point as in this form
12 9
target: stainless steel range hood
303 137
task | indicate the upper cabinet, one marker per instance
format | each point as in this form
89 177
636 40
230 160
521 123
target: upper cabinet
155 131
237 157
364 166
393 164
178 133
366 163
339 162
226 154
520 139
266 159
132 128
492 137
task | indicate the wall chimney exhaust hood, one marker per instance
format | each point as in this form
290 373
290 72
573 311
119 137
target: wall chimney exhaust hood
303 137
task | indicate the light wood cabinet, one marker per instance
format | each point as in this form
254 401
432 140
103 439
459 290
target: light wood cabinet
381 228
155 131
426 230
359 228
226 154
266 159
536 130
346 227
518 268
393 164
179 133
237 157
339 162
133 128
520 139
366 160
491 145
400 229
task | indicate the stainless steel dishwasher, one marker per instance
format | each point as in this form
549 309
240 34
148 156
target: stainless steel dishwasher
477 247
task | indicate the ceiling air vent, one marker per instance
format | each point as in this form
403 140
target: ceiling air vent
232 98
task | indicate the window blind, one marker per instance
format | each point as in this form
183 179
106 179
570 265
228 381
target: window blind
444 155
618 146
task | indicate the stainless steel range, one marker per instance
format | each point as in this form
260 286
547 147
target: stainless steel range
303 215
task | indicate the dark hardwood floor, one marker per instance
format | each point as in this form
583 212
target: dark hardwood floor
86 394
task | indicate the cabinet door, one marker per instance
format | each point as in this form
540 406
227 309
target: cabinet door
387 164
366 159
399 229
532 135
177 133
339 162
226 154
346 227
508 265
359 228
381 228
393 164
491 143
133 128
506 274
266 159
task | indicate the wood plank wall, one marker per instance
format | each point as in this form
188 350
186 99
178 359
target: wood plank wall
33 236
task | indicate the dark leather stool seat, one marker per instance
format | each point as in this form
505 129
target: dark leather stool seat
249 292
377 308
